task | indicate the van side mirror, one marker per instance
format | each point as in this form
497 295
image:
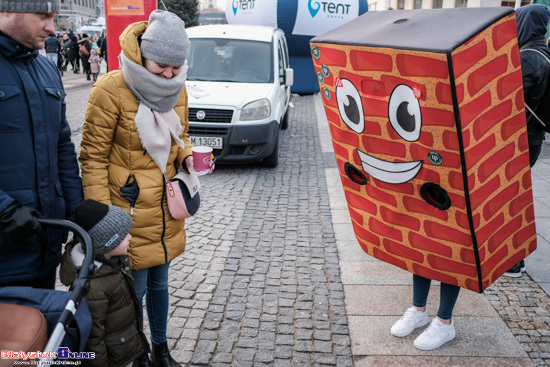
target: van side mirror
289 77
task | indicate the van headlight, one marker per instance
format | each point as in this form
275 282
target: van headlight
257 110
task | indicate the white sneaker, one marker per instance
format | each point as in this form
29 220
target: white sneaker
436 335
411 320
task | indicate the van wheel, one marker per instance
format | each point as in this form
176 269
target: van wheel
272 160
284 123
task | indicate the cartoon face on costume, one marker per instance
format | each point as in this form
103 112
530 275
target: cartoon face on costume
431 143
399 120
405 118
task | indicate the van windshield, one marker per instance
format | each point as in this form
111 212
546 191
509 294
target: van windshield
90 30
230 60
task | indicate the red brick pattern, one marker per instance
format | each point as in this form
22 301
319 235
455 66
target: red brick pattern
392 222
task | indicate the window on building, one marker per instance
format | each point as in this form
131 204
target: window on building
461 3
418 4
512 4
401 4
437 4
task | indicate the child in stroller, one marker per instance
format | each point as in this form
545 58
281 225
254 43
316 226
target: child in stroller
66 314
116 337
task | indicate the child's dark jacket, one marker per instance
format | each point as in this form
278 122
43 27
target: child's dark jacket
116 336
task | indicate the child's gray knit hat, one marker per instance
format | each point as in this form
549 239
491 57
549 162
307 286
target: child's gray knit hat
107 225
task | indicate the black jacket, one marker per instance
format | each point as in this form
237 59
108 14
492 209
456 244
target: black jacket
51 44
532 21
70 48
103 48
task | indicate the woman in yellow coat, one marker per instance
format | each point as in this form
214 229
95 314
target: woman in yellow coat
135 133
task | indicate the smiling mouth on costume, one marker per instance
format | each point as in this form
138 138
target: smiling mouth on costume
390 172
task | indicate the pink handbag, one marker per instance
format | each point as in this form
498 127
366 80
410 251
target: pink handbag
182 194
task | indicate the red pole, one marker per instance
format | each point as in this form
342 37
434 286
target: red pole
119 14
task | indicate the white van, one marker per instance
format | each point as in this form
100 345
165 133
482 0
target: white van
238 84
91 29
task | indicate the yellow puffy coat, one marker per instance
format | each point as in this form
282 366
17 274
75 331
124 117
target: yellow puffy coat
111 150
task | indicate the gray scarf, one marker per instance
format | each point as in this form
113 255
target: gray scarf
156 121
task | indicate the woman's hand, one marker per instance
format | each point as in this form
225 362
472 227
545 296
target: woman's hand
212 164
188 161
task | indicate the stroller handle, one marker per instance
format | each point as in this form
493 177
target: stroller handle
83 237
80 285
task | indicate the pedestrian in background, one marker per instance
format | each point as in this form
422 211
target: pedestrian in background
134 135
60 54
85 46
38 167
96 41
532 22
103 52
65 46
71 49
75 51
94 63
52 48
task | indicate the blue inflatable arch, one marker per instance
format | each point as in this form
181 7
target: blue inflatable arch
301 20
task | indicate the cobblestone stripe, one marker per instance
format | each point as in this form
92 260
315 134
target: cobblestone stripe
198 278
525 308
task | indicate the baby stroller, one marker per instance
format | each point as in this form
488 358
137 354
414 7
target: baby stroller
59 308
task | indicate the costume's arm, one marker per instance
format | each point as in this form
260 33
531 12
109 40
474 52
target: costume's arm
101 120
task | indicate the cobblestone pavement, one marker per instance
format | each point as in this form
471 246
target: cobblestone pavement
525 308
259 283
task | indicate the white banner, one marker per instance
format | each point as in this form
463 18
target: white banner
258 12
319 16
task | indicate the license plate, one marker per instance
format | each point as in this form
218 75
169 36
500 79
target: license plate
214 143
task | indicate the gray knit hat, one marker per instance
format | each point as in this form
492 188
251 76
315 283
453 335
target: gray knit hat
30 6
165 40
107 225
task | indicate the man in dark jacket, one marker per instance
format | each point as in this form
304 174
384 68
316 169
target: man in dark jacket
52 47
86 55
38 167
103 51
532 21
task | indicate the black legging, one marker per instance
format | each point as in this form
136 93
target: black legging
534 152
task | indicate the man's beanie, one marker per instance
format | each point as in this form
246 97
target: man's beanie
30 6
165 40
107 225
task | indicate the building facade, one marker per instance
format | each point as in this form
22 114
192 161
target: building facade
76 13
